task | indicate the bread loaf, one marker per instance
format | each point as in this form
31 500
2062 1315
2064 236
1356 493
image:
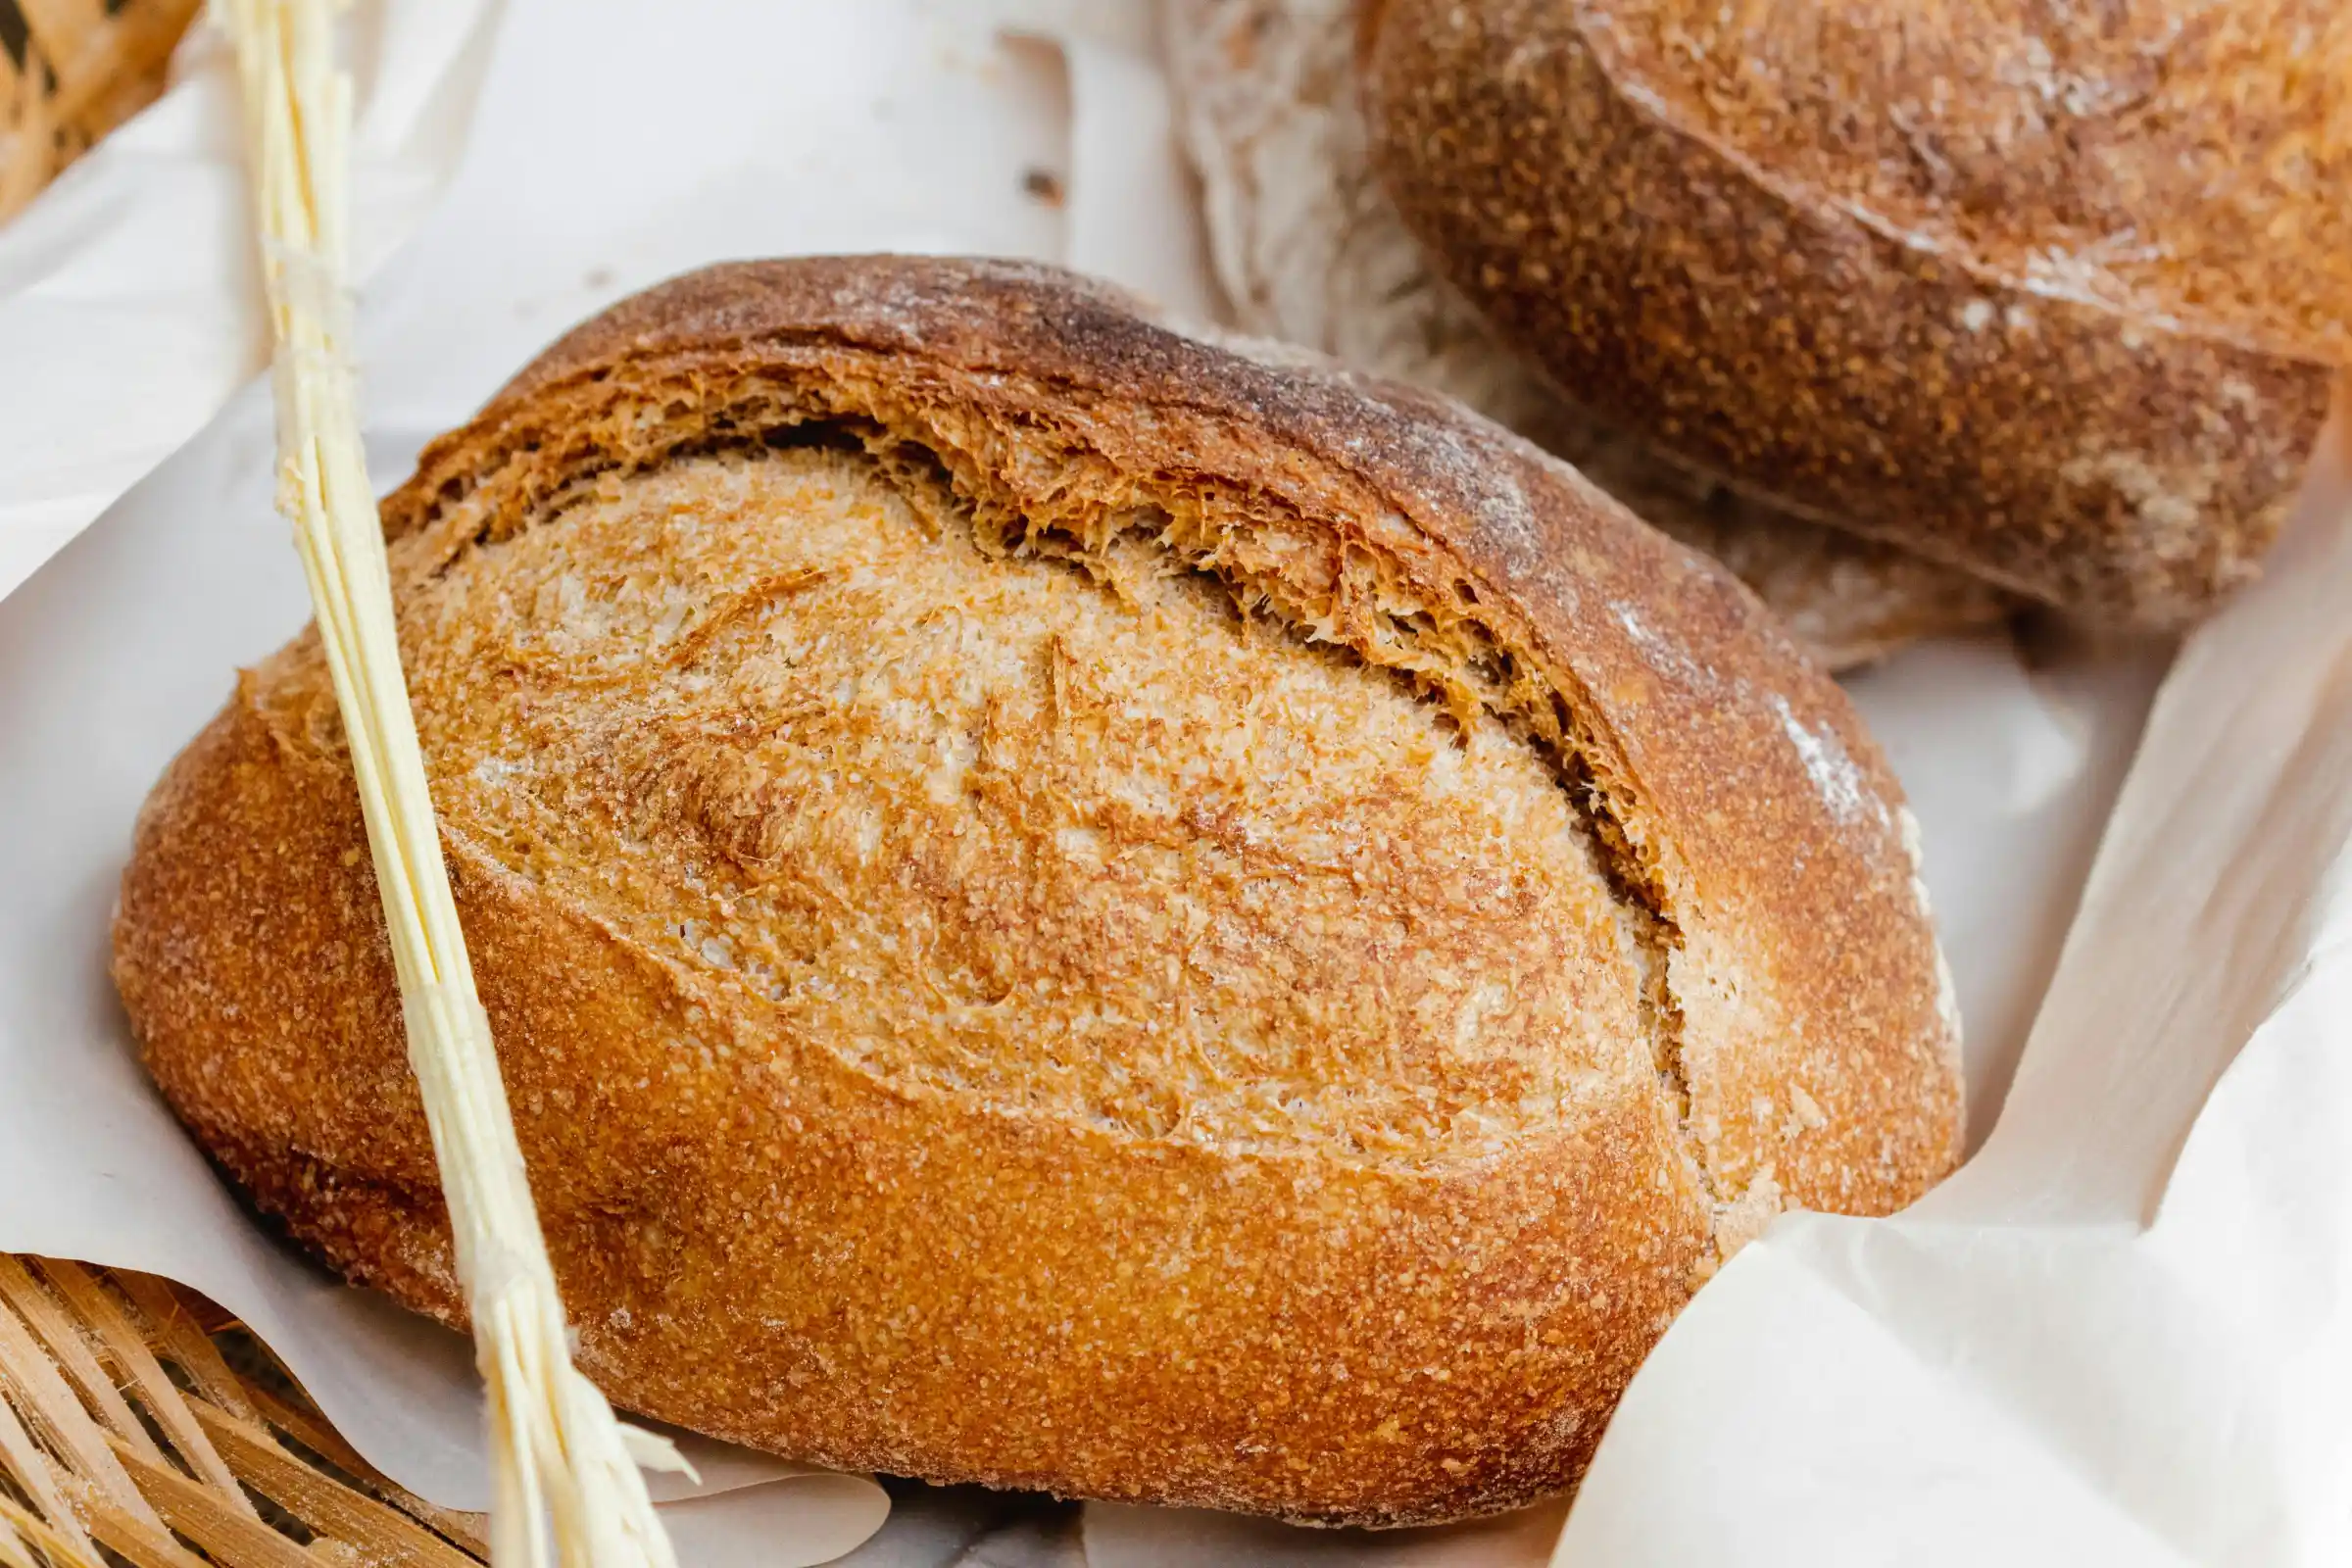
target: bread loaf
2055 294
1310 248
1064 905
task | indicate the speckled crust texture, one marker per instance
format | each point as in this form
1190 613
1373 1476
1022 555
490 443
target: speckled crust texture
2052 294
1065 906
1310 249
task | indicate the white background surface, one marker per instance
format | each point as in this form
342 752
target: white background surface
2119 1337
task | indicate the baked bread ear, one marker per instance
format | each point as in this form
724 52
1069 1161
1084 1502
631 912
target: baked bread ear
1062 905
1310 249
2054 294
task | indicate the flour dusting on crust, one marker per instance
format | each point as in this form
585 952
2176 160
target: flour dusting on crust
1842 784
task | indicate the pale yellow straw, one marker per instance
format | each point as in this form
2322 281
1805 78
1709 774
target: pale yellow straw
559 1457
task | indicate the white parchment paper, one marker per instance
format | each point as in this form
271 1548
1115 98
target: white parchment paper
2107 1341
128 299
2122 1334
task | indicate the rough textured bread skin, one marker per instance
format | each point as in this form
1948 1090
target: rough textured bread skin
1310 249
1065 906
2051 293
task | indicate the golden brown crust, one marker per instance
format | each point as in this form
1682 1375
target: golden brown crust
1005 1267
1974 296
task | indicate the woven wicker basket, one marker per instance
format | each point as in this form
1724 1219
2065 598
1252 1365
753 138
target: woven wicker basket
71 70
140 1426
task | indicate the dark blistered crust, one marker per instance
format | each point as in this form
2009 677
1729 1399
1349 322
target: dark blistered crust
2110 463
807 1258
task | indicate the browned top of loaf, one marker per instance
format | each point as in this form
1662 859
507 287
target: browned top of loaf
1390 523
2181 161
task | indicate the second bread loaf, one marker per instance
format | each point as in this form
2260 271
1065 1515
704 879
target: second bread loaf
2056 294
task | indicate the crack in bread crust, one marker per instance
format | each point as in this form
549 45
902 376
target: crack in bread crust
1325 585
1123 853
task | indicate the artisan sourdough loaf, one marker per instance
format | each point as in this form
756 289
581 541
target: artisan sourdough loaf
2054 293
1064 905
1310 249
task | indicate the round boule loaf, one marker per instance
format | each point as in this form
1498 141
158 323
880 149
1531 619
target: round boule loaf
2056 294
1065 905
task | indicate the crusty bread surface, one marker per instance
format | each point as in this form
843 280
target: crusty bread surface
2054 294
1310 248
1065 905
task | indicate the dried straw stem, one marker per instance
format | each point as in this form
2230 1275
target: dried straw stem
558 1458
